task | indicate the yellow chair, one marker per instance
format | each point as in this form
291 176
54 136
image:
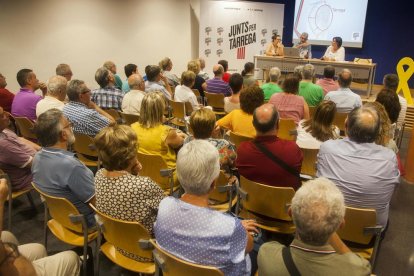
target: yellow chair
25 128
171 265
129 119
310 156
216 101
339 121
360 228
124 235
266 204
287 129
179 111
85 150
198 95
236 138
67 224
223 191
155 167
13 195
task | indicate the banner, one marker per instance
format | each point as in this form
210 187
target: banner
236 31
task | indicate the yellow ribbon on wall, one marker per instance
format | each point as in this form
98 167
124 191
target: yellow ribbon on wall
404 76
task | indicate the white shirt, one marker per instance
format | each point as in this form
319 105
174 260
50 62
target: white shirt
339 55
185 94
47 103
345 99
131 103
305 140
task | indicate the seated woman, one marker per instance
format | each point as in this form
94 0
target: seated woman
119 191
389 99
335 52
199 83
154 137
288 103
183 92
166 67
275 48
233 102
240 121
248 75
188 229
313 132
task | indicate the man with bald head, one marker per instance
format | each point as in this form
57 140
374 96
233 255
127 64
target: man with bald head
344 98
217 85
365 172
253 157
56 94
131 103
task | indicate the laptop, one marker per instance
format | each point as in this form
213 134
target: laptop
291 52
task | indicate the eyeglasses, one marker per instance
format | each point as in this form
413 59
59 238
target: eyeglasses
68 125
14 252
86 91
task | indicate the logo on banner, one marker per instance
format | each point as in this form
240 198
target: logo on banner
241 53
240 36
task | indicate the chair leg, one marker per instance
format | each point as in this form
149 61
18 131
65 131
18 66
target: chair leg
98 245
85 257
30 197
45 226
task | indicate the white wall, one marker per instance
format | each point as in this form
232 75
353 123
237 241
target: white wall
85 33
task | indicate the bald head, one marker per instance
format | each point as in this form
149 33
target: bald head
218 70
363 124
345 78
136 82
265 119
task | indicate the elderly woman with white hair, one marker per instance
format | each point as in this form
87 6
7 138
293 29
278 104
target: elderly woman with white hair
188 229
272 86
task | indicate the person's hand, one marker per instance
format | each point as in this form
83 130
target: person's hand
136 167
216 132
43 87
4 190
92 105
250 226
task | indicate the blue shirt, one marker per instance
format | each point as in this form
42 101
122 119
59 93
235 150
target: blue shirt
202 236
345 100
366 173
151 86
125 86
57 172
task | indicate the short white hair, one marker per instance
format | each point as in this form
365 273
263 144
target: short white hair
197 166
318 210
274 74
308 71
56 86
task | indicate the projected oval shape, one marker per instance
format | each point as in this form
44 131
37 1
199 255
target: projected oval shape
323 17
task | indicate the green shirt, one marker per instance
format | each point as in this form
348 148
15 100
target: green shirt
312 93
269 89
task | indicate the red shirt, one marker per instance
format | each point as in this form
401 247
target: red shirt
6 99
256 166
226 77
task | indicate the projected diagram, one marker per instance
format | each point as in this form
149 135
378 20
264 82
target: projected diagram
319 18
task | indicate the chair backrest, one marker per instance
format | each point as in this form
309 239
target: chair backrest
196 92
198 95
310 157
124 234
236 138
114 113
129 119
356 220
215 194
339 120
59 209
267 200
215 100
151 166
84 145
25 127
287 129
172 265
180 109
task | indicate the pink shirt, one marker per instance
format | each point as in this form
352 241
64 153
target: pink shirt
327 85
290 106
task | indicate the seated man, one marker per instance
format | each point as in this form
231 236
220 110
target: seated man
24 103
64 71
129 69
216 84
55 96
86 117
255 164
190 230
56 171
272 86
16 155
317 211
6 97
157 82
365 172
31 259
110 65
107 96
312 93
328 82
131 103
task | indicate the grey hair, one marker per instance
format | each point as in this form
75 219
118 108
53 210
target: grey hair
101 76
134 81
306 35
308 71
318 210
74 89
197 166
56 86
274 74
363 124
48 127
62 69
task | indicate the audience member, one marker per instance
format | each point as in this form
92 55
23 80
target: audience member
183 92
6 97
275 48
188 229
199 83
391 82
86 117
226 75
313 132
31 259
56 94
345 99
240 120
203 74
129 69
297 71
107 96
110 65
120 192
305 49
391 103
317 211
166 67
216 84
253 159
233 102
335 52
248 75
362 188
131 103
24 103
288 103
312 93
272 86
16 155
328 82
56 171
156 81
64 71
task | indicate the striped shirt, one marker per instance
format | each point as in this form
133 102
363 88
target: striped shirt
108 97
218 86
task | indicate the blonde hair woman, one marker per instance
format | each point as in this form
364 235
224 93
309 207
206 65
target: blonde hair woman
166 67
